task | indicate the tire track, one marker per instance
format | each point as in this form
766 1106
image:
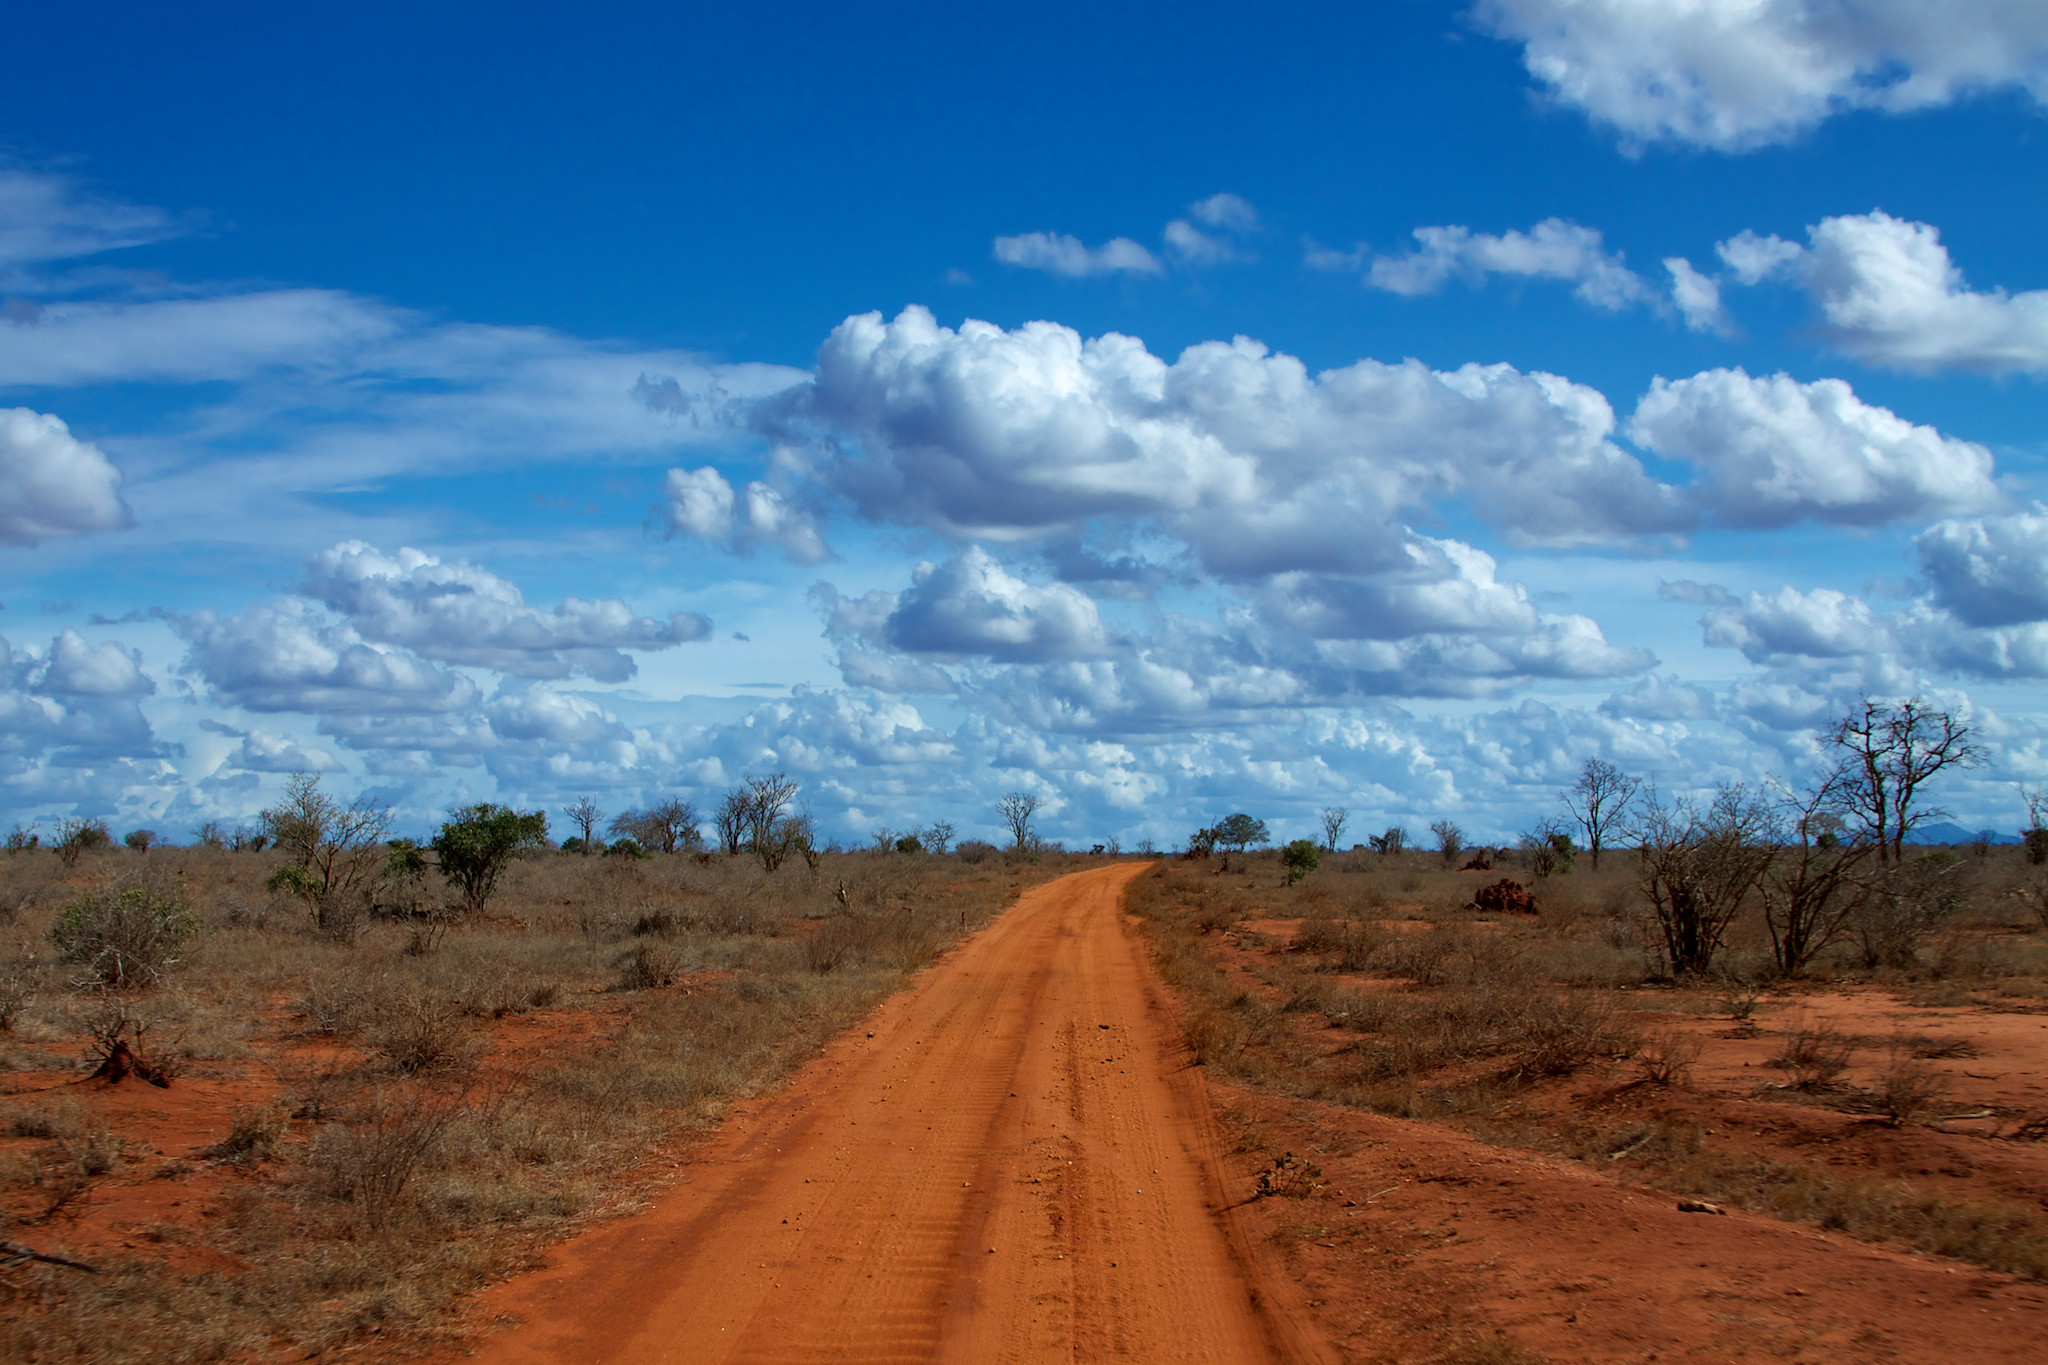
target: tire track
1014 1165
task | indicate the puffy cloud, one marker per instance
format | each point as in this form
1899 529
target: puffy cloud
1989 571
1733 74
1754 259
1058 254
72 705
1698 297
263 752
701 503
283 656
460 613
1892 297
1830 644
1553 249
1773 451
1258 465
1790 624
970 605
52 483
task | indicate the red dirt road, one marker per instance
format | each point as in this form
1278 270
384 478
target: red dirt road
1016 1164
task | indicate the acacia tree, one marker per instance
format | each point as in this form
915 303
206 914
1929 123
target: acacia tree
1334 820
1890 753
1240 831
1017 808
477 844
1699 867
1599 800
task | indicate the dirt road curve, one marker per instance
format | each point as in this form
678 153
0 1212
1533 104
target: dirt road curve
1016 1165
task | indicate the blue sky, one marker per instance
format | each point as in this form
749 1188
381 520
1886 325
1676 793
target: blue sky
1165 412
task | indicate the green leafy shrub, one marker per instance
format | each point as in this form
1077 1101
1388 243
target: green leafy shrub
1300 859
129 938
479 842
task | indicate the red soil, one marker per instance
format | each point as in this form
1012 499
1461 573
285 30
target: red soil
1008 1163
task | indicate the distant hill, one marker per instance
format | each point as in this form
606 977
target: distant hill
1948 832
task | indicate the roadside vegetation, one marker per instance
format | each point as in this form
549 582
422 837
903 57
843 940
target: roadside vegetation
303 1085
1763 998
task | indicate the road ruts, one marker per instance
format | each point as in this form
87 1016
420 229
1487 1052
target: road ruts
1015 1165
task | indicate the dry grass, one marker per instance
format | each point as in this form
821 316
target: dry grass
1395 996
418 1114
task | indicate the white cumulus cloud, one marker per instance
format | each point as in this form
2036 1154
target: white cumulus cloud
283 656
1772 451
1735 74
1257 464
701 503
1989 571
461 613
51 483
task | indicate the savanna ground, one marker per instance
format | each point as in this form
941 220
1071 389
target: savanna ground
1479 1129
362 1125
1467 1136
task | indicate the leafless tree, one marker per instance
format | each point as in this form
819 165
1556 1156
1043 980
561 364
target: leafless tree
1813 886
1598 801
1890 752
1334 820
730 820
767 804
1017 808
584 815
666 826
1450 840
1699 867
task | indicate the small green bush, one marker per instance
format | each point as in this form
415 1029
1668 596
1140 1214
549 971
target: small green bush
129 938
1300 858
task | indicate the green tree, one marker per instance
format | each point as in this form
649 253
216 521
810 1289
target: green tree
1239 832
479 842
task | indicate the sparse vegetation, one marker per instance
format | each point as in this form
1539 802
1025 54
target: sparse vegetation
406 1125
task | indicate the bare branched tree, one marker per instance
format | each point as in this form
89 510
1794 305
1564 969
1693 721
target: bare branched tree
768 800
1598 801
1450 840
1890 753
584 815
1699 867
1813 887
1334 820
730 820
1017 808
